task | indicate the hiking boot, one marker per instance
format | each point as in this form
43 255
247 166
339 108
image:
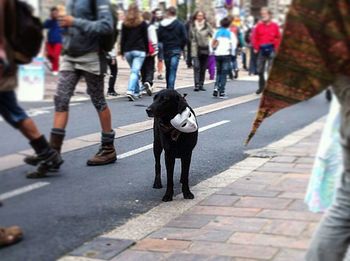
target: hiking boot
105 155
56 141
148 88
10 235
51 160
215 92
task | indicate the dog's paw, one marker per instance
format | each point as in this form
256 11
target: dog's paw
157 185
188 194
167 198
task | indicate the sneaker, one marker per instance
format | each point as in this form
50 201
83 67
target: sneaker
236 74
55 73
202 89
215 92
131 96
112 93
148 88
160 77
196 89
223 96
105 155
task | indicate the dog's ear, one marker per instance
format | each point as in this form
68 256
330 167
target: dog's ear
184 95
182 104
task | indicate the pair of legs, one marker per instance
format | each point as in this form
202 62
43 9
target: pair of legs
135 60
53 54
264 63
160 63
200 65
113 67
148 69
332 238
234 67
211 66
171 59
253 62
223 67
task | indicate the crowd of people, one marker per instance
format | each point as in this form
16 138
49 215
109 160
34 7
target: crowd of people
76 48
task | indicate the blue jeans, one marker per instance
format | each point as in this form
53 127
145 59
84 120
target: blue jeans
10 110
171 59
223 68
135 60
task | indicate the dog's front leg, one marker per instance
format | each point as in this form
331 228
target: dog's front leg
185 171
157 150
170 163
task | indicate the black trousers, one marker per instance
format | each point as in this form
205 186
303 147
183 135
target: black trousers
200 65
264 64
147 70
114 72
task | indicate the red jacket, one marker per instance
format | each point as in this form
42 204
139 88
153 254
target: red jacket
266 34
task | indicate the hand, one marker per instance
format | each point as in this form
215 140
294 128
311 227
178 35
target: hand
66 21
256 51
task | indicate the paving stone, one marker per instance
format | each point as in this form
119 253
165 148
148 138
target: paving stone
219 200
132 255
161 245
233 250
292 195
192 234
310 230
195 257
268 240
102 248
285 227
262 178
247 192
290 255
290 215
246 184
291 185
224 211
260 202
298 205
191 221
282 159
237 224
303 160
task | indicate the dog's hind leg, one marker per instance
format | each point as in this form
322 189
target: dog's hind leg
170 163
157 151
185 171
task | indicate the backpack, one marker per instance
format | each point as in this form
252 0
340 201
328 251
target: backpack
26 35
107 41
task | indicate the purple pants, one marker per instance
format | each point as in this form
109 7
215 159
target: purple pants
211 66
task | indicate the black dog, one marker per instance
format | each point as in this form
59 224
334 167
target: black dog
166 105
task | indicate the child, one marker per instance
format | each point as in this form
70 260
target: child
224 45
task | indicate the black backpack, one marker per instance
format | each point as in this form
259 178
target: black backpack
107 41
26 37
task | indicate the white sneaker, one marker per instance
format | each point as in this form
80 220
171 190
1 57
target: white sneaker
130 96
55 73
147 88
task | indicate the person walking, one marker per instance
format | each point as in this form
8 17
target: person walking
224 45
12 112
54 40
172 34
134 47
83 58
266 40
148 67
157 19
199 35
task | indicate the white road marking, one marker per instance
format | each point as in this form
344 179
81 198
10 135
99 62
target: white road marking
150 146
23 190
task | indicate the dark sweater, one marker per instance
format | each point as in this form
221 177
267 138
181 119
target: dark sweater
134 38
173 35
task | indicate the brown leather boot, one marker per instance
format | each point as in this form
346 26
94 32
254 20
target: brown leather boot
10 235
105 155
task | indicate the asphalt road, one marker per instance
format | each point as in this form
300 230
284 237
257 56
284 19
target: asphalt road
83 202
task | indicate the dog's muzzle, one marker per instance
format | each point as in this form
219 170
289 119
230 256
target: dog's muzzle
149 112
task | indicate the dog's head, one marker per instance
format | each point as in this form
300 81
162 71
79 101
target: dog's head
167 103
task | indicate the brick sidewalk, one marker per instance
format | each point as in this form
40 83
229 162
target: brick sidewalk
261 216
